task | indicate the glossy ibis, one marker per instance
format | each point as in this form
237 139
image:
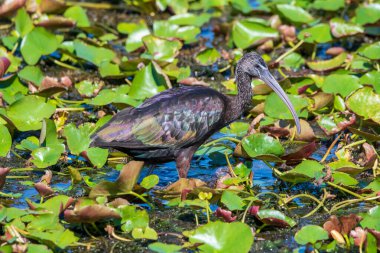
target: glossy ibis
173 124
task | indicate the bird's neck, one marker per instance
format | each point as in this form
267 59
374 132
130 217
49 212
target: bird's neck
242 101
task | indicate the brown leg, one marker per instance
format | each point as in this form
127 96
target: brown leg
183 159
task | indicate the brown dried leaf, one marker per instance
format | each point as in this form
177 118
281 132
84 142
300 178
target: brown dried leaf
296 154
193 81
184 184
52 85
56 22
288 33
90 214
3 174
52 6
43 189
9 7
47 177
334 51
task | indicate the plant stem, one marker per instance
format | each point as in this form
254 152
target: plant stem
289 52
221 139
345 190
330 148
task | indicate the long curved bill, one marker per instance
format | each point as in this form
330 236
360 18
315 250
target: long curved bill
267 77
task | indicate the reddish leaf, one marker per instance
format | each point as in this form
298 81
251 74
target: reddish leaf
288 33
334 51
359 236
193 81
299 153
3 174
90 214
225 214
43 189
4 65
9 7
56 22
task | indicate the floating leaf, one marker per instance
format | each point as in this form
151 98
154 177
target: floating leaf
316 34
368 13
161 49
336 122
232 201
342 84
331 64
340 28
45 156
28 112
98 156
371 78
261 144
306 171
208 56
328 5
31 47
190 19
78 14
5 140
246 33
365 102
236 128
371 51
4 65
371 218
132 218
78 138
147 82
311 234
344 179
24 23
272 217
95 55
150 181
222 237
135 36
160 247
32 74
294 14
293 61
88 88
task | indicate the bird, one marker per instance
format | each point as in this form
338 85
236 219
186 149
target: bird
173 124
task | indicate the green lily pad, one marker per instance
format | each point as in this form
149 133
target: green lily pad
311 234
371 51
293 61
340 28
365 103
150 181
348 167
208 56
160 247
135 35
371 218
222 237
93 54
317 34
132 218
45 156
78 14
275 218
78 138
32 74
246 33
328 5
87 88
24 23
262 144
306 171
371 78
98 156
161 49
326 65
275 107
232 201
28 112
109 69
147 82
336 122
236 128
374 185
31 47
165 29
5 141
190 19
344 179
295 14
367 13
342 84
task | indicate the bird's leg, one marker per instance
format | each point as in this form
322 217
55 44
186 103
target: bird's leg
183 159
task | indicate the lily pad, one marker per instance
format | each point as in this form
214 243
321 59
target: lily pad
295 14
93 54
78 14
342 84
28 112
328 5
367 13
31 47
161 49
371 219
5 141
340 28
207 56
261 144
331 64
222 237
371 51
45 156
32 74
160 247
371 78
311 234
246 33
365 103
232 201
316 34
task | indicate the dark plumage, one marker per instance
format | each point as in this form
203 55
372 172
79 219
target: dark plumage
174 123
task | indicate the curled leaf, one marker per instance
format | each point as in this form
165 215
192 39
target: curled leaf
225 215
4 65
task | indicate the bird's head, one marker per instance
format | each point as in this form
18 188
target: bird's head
254 65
